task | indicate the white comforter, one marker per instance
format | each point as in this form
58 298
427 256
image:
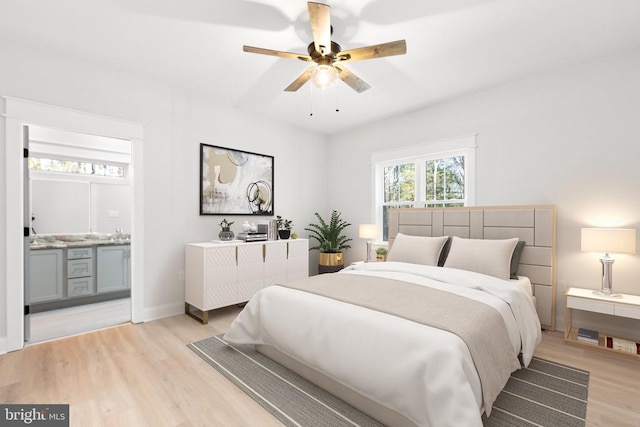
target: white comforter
424 373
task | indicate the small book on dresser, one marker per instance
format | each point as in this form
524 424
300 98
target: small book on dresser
588 336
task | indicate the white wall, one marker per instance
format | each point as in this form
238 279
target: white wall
568 138
175 125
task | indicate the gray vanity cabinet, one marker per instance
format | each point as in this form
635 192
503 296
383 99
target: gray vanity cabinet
114 265
46 275
79 271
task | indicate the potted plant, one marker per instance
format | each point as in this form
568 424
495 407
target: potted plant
381 254
331 241
226 233
284 227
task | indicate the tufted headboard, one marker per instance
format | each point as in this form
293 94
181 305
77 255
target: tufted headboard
535 225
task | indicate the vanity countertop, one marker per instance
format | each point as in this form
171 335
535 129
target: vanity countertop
53 241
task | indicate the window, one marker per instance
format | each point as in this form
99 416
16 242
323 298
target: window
437 174
76 167
445 181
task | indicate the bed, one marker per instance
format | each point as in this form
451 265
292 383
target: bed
428 338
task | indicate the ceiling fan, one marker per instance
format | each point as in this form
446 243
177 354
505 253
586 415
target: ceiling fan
329 56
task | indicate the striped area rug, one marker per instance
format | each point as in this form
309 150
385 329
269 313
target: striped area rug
544 394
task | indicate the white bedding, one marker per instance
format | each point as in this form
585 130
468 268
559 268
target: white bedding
524 283
424 373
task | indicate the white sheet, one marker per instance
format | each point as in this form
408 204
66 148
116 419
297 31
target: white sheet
424 373
525 283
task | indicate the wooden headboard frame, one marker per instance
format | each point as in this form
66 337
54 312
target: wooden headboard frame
536 225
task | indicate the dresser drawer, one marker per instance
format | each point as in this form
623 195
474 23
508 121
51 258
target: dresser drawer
80 286
590 305
79 268
78 253
632 312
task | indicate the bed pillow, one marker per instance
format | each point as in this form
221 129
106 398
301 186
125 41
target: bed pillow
416 249
515 259
490 257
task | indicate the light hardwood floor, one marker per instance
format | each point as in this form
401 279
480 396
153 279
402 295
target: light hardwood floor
139 375
65 322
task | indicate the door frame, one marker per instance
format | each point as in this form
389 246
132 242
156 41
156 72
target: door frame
17 114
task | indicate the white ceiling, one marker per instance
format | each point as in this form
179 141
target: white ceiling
454 47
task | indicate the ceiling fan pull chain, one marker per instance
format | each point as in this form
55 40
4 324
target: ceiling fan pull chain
337 98
310 100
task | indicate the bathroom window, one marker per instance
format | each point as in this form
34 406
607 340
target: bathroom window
77 167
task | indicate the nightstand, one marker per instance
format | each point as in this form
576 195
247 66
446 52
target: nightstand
584 299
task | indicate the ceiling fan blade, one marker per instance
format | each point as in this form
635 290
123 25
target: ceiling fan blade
398 47
320 20
278 53
301 80
353 81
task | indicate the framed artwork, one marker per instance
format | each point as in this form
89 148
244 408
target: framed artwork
235 182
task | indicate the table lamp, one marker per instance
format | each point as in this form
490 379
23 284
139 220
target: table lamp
369 232
608 240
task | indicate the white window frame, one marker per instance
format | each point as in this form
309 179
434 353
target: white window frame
419 154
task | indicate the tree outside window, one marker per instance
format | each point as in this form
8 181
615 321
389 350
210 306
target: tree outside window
445 181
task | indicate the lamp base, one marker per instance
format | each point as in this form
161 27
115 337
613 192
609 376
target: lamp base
368 251
607 294
607 278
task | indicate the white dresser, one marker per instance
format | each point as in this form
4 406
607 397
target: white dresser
222 274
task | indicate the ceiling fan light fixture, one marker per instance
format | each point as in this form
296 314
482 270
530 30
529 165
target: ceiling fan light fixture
324 76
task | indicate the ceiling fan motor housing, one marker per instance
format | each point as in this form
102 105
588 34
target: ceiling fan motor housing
321 59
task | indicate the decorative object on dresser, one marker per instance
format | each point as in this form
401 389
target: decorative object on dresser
331 242
626 306
225 233
608 240
253 233
369 232
235 182
223 274
284 227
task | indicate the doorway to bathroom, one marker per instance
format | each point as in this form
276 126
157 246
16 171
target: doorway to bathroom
18 116
79 203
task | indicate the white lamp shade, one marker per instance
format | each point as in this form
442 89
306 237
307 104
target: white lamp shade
609 240
369 231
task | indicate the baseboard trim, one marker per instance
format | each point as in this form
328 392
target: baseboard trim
162 311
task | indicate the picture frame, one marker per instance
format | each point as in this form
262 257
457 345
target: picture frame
235 182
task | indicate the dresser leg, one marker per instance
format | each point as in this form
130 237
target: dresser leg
205 314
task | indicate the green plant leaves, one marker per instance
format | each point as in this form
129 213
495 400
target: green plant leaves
329 236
